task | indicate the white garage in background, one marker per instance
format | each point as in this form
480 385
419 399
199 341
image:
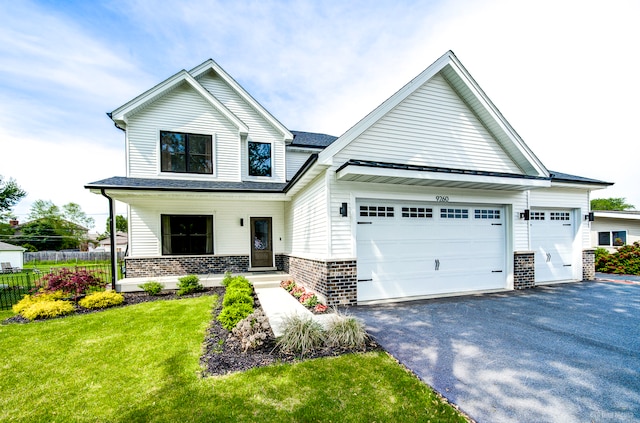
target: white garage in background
412 249
12 254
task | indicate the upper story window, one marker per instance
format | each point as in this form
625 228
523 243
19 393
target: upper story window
259 158
185 153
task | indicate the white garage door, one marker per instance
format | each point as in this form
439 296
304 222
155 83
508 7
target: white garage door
414 249
552 235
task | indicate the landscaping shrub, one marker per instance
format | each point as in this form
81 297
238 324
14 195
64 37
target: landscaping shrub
233 296
152 287
288 284
189 284
626 260
252 330
240 283
301 335
228 277
102 300
47 309
297 291
232 314
40 296
309 299
73 282
346 331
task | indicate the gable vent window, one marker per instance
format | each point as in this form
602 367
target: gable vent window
537 216
486 214
376 211
454 213
185 153
417 212
559 216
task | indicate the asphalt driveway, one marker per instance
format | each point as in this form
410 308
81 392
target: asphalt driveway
563 353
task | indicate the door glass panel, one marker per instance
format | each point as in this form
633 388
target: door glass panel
261 238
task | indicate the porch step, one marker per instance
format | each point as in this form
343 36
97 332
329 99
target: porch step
259 279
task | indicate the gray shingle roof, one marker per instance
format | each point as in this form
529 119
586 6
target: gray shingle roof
565 177
311 139
121 182
10 247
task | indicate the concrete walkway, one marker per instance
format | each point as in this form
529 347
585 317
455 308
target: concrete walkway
278 304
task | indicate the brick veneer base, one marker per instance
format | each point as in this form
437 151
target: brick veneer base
588 264
334 279
524 271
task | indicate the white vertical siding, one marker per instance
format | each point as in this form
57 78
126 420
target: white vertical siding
431 127
260 130
229 237
181 110
306 220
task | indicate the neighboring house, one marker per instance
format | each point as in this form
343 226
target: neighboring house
611 229
122 241
12 254
432 193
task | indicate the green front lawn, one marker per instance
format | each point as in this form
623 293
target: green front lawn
140 363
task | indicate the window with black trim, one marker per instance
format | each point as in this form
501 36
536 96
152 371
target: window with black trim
486 214
187 234
259 158
612 238
186 153
536 216
559 216
376 211
424 212
454 213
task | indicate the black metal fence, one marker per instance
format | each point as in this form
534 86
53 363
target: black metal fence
13 286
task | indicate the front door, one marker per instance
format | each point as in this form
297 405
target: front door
261 242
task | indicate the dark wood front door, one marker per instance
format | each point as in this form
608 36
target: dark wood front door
261 242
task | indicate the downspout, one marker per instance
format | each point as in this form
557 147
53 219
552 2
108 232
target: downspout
112 237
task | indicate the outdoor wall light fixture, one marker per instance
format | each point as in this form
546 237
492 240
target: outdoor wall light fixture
590 217
343 210
241 222
525 214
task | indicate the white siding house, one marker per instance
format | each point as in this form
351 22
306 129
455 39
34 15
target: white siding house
432 193
12 254
611 229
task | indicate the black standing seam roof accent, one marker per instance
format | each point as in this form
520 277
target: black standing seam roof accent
383 165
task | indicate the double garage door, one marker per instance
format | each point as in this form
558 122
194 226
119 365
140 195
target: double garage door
416 249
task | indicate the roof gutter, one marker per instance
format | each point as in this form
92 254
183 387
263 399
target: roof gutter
112 237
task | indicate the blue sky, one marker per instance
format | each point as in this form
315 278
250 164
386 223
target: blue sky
563 73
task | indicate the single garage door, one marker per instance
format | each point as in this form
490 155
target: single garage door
552 236
413 249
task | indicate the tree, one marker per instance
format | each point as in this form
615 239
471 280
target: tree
10 195
52 228
121 224
610 204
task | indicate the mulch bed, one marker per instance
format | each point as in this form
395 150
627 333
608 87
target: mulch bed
222 352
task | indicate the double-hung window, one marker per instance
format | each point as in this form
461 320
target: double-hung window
187 234
612 239
185 153
259 158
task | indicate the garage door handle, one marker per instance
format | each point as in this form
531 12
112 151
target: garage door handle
548 257
365 280
496 271
437 264
365 223
567 265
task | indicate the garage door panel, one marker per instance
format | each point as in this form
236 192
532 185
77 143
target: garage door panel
552 236
451 251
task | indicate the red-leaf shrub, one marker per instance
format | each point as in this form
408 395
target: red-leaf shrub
73 282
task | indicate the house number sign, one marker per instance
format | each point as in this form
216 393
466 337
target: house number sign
442 198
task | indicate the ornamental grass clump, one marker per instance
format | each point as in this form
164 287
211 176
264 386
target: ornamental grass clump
103 299
301 335
346 332
189 284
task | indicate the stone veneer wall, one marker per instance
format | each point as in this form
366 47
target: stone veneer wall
334 279
524 272
588 264
138 267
